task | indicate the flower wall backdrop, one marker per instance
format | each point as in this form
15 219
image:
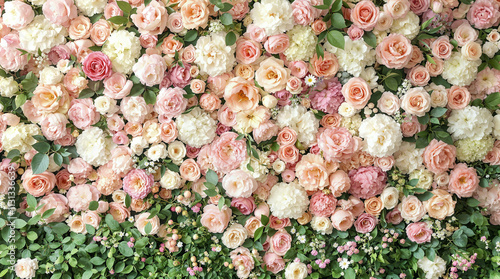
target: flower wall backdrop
250 139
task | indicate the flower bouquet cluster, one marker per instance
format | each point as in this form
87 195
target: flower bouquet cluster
250 139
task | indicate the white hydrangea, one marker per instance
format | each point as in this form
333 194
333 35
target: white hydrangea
288 200
94 146
370 76
8 87
408 158
122 48
20 137
496 126
355 56
302 43
213 56
274 16
470 123
260 166
433 269
460 71
382 135
408 26
196 128
41 34
91 7
425 178
170 180
322 225
301 121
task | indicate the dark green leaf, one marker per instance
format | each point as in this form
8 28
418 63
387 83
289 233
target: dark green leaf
319 51
86 93
391 83
336 39
370 39
424 119
258 233
42 147
125 250
124 6
150 97
438 112
93 205
230 38
212 177
48 213
30 82
191 35
338 21
40 163
425 196
128 200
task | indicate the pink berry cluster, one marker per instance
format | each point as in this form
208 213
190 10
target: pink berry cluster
322 263
461 263
350 248
192 271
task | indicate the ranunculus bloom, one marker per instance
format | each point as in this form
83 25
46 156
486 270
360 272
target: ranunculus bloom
463 181
137 183
357 92
97 66
439 156
419 232
365 223
215 220
394 51
365 15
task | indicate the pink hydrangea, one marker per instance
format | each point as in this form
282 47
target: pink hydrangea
137 183
322 205
328 99
367 182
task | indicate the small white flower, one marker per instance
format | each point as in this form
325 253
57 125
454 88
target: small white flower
310 80
344 263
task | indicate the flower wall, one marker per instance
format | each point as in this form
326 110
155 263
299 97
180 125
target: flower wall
250 139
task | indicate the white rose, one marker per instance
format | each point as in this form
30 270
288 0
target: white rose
388 103
490 48
347 110
234 236
105 105
269 101
424 177
138 144
439 96
296 270
170 180
442 179
50 75
279 166
322 225
119 196
26 268
390 197
157 152
64 66
8 87
433 269
177 152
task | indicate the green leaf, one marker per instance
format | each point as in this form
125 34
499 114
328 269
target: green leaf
93 205
31 201
112 223
128 200
275 146
472 202
148 228
97 261
212 177
419 254
20 100
338 21
484 182
264 219
230 38
438 112
425 196
258 233
13 153
431 254
191 35
370 39
86 93
42 147
421 142
319 51
337 5
221 203
426 23
226 19
60 228
30 82
48 213
424 119
125 250
58 159
325 6
350 273
391 83
120 20
477 218
95 18
336 39
19 223
492 101
40 163
150 97
124 6
32 235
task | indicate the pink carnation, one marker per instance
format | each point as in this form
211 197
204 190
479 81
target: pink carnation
328 99
137 183
322 205
484 14
367 182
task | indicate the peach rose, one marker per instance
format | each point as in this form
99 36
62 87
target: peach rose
397 8
416 57
119 212
339 183
436 68
50 99
287 136
241 94
190 170
210 102
342 220
458 97
53 201
76 224
439 156
170 45
357 92
463 181
442 48
365 15
280 242
331 120
247 50
472 51
411 209
194 13
91 218
464 34
272 75
277 44
374 206
394 51
416 101
384 163
174 23
318 26
38 184
419 76
326 66
288 153
151 19
143 219
80 28
441 205
215 220
244 71
100 32
388 103
311 172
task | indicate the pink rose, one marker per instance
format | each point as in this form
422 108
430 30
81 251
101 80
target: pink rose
112 10
79 169
280 243
277 43
58 53
215 220
242 258
137 183
239 184
256 33
463 181
484 14
190 170
287 136
416 101
419 232
80 196
397 8
419 76
180 76
342 220
367 182
337 144
150 69
289 154
322 205
394 216
174 23
38 184
100 32
227 153
298 68
247 50
365 15
151 19
119 212
54 126
117 86
60 12
394 51
273 262
241 94
97 66
83 113
439 156
168 131
170 102
17 14
326 66
218 83
11 59
357 92
311 172
419 6
239 10
365 223
458 97
303 12
339 183
245 205
442 48
54 201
